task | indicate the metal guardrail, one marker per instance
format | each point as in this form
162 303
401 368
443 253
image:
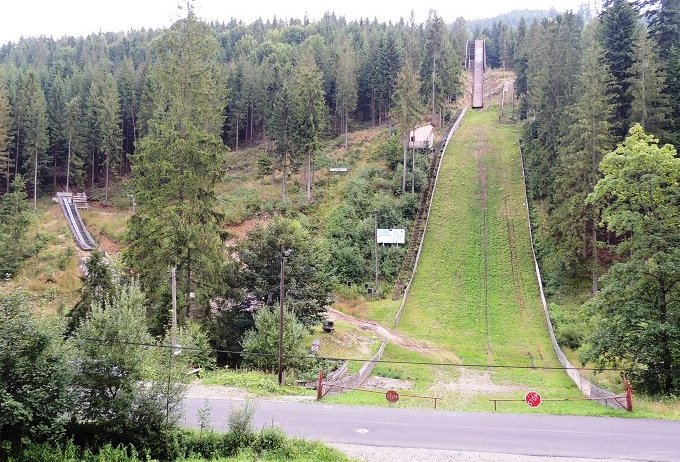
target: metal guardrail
75 223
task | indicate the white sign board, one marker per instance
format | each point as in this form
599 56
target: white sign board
391 236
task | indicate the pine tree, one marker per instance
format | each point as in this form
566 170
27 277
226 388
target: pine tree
176 168
582 148
618 24
5 137
37 140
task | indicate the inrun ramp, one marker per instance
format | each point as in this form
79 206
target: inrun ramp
75 222
476 60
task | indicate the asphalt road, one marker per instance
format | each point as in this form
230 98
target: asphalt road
537 435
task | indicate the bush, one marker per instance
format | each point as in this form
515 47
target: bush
34 375
265 165
260 345
241 434
270 439
206 444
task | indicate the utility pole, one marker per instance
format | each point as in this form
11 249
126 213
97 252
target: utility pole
413 157
282 290
434 63
375 236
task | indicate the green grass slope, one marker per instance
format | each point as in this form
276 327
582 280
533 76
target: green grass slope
475 291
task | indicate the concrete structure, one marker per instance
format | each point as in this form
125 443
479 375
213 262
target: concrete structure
475 59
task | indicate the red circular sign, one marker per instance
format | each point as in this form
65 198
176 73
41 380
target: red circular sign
533 399
392 396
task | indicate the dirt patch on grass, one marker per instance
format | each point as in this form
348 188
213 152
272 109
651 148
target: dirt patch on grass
472 382
241 230
356 307
390 335
108 245
375 382
351 340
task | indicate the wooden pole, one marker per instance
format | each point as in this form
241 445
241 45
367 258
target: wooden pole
375 235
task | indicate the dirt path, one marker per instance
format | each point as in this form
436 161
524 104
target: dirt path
387 334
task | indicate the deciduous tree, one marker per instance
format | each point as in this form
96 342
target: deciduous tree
638 308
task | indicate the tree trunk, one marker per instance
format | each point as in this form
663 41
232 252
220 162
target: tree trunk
16 160
372 108
346 131
666 352
309 177
284 160
237 122
434 62
35 181
92 171
252 122
106 181
403 173
68 160
413 168
595 285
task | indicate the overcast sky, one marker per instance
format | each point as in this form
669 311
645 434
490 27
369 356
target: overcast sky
82 17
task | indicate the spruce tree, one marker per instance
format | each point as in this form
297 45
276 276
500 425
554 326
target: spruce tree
346 85
589 138
74 162
309 114
5 137
176 168
37 140
649 106
56 112
406 109
618 24
108 124
14 221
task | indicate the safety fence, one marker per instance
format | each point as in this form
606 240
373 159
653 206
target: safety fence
589 389
426 212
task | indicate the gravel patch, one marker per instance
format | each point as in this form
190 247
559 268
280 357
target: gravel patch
394 454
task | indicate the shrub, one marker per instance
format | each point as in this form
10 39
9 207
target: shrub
269 439
260 345
241 434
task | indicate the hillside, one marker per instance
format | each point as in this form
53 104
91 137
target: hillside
475 294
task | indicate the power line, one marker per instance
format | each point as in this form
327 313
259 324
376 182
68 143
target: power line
380 361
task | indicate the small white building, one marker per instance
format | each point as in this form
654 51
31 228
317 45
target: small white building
422 137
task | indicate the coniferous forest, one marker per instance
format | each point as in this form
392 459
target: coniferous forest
163 115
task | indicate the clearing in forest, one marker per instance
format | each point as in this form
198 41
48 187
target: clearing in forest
475 292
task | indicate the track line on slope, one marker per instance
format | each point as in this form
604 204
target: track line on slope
484 201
